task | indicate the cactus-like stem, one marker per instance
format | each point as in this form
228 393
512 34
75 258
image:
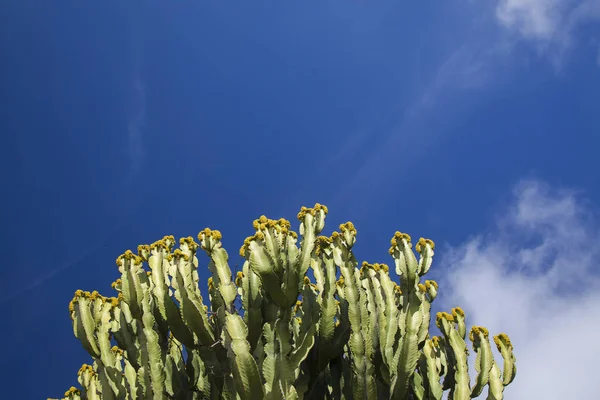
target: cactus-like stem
456 344
245 371
411 316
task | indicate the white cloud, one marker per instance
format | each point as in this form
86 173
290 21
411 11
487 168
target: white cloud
532 18
550 24
535 277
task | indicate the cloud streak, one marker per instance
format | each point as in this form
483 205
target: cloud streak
468 72
40 280
138 102
136 125
535 277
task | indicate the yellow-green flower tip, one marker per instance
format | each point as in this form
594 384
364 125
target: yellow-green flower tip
399 236
302 213
348 226
458 311
244 248
129 256
116 283
258 236
78 294
169 241
208 233
281 225
85 368
422 288
143 250
238 278
72 391
177 254
284 223
431 283
503 338
189 242
376 266
159 244
324 240
441 316
476 331
312 211
422 243
114 301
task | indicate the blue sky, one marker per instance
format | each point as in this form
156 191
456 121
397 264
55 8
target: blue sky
475 124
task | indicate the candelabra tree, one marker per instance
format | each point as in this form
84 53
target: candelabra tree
271 332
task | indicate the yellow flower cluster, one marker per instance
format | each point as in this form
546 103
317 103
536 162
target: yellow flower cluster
398 236
503 338
165 243
422 243
476 331
312 211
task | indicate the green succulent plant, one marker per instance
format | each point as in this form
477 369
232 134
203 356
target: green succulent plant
271 333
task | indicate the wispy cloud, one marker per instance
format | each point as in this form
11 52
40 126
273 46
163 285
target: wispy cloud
137 108
136 125
472 69
43 278
535 277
